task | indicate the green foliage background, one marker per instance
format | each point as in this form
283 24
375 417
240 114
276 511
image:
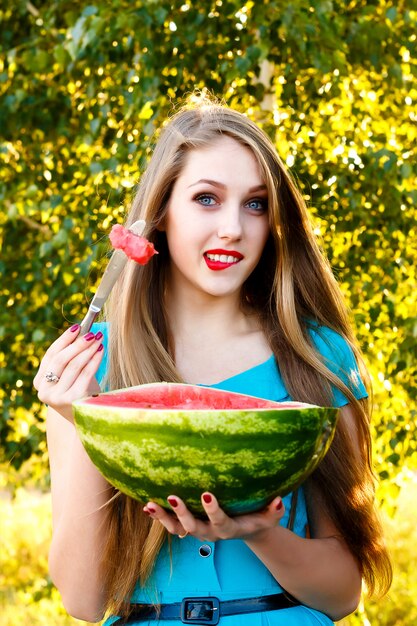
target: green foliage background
83 86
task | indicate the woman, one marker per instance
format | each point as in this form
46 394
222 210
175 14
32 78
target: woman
239 297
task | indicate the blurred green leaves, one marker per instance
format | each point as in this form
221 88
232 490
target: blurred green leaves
84 85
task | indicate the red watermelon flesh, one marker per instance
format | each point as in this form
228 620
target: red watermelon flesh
195 398
158 439
137 248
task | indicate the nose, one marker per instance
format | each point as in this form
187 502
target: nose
230 223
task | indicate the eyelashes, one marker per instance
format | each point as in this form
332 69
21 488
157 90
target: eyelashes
203 197
258 205
262 204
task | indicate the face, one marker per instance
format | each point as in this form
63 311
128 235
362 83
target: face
217 220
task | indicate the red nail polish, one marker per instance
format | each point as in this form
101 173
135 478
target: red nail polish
207 498
279 506
89 336
100 348
173 501
150 509
99 335
74 328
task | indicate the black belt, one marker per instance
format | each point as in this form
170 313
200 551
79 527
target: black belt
207 610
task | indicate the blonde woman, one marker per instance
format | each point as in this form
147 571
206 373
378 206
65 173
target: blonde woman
239 297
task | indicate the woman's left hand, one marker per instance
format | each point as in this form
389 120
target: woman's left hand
219 525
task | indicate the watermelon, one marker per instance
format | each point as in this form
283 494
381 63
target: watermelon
137 248
154 440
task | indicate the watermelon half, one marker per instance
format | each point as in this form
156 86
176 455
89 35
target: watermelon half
159 439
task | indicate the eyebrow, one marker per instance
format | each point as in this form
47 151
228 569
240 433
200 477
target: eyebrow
216 183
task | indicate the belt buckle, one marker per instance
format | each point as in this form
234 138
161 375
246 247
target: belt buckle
204 610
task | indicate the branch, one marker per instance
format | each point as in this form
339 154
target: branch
35 225
32 9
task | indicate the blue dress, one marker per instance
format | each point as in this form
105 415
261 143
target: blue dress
228 569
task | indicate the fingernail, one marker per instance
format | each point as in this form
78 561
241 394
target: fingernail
89 336
279 506
74 328
173 501
207 498
100 348
149 510
99 335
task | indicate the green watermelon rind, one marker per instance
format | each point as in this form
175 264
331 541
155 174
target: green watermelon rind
176 451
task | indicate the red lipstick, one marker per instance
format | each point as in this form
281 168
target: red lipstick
220 259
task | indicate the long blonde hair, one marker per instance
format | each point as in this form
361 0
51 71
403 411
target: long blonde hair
291 287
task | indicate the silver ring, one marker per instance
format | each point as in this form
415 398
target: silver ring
51 377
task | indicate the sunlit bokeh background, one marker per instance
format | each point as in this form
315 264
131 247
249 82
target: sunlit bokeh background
83 88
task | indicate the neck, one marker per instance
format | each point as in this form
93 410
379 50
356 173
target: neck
213 338
205 316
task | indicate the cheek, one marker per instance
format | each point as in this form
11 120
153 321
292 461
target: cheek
178 220
174 228
179 234
263 234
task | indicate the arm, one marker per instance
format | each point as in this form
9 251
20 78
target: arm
78 493
78 490
319 571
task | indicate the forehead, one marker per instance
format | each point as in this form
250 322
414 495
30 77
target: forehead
226 159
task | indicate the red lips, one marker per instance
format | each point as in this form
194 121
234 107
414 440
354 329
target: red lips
220 259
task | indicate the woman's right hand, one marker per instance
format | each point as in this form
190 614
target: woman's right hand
74 360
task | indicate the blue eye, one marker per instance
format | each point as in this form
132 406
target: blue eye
257 205
205 200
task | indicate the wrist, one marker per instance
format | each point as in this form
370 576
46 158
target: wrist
261 536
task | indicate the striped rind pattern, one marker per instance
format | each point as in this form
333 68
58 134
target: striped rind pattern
245 457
